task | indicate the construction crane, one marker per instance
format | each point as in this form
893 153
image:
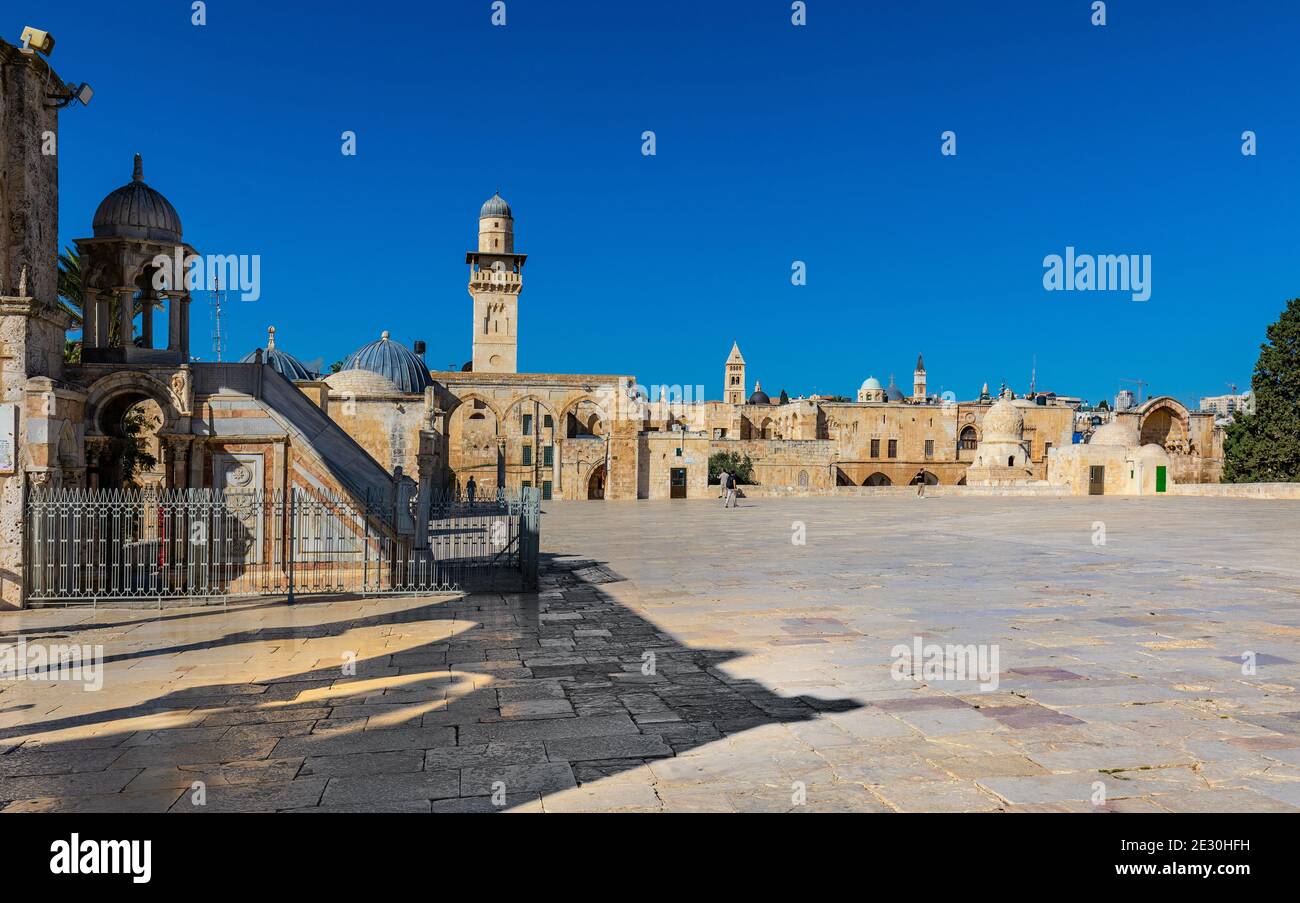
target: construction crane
1232 387
1140 383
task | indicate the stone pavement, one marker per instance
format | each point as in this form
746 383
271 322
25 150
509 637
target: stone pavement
681 657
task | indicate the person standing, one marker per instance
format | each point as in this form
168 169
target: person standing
470 489
722 487
731 492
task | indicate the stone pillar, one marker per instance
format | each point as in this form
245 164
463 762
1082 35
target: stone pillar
174 322
89 307
177 452
126 297
427 462
146 321
185 329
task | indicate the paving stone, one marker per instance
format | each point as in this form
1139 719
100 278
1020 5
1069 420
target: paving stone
389 762
270 796
362 790
623 746
546 778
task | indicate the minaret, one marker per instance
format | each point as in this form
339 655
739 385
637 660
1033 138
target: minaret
495 280
918 381
734 378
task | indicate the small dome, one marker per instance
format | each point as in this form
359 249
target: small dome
759 396
495 206
1115 434
871 384
360 382
1003 423
282 362
394 361
1153 452
893 393
137 211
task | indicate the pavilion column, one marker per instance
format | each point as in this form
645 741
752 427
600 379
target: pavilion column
174 322
146 320
126 318
185 328
89 307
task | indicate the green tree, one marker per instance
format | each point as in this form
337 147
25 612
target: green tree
137 427
734 463
1264 446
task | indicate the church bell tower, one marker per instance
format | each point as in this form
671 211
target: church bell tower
495 280
734 385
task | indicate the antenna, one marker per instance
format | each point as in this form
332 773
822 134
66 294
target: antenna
1033 376
216 318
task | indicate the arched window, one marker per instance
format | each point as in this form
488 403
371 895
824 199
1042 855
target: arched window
969 441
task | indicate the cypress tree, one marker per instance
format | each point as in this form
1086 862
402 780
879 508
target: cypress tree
1264 446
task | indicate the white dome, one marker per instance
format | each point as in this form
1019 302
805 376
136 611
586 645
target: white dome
1003 423
871 383
361 382
1115 434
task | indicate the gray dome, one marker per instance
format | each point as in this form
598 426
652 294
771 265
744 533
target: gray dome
282 362
137 211
394 361
759 396
495 206
893 393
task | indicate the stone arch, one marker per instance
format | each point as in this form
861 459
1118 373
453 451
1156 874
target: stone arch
925 477
1165 422
571 407
596 482
466 398
106 394
877 479
968 438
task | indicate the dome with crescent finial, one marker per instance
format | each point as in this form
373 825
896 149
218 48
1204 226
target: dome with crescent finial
495 206
1003 423
281 361
137 211
393 361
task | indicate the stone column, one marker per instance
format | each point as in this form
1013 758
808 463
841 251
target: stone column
146 321
89 309
185 328
174 322
126 297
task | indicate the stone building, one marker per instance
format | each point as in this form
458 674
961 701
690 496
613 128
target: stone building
387 427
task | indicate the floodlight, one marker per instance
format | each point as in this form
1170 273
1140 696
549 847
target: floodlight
36 40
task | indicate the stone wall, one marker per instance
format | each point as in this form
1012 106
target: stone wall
29 178
1239 490
791 463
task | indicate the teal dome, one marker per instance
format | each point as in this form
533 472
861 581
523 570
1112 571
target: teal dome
281 362
495 206
871 383
392 360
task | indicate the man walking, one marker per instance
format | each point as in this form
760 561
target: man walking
730 494
722 487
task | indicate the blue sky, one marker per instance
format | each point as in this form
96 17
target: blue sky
775 144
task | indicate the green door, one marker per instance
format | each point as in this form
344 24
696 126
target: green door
1160 478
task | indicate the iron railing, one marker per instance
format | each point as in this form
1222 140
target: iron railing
91 546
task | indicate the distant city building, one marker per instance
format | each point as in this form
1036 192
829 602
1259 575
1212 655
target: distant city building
1125 400
1226 405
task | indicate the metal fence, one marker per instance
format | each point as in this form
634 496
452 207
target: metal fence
91 546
